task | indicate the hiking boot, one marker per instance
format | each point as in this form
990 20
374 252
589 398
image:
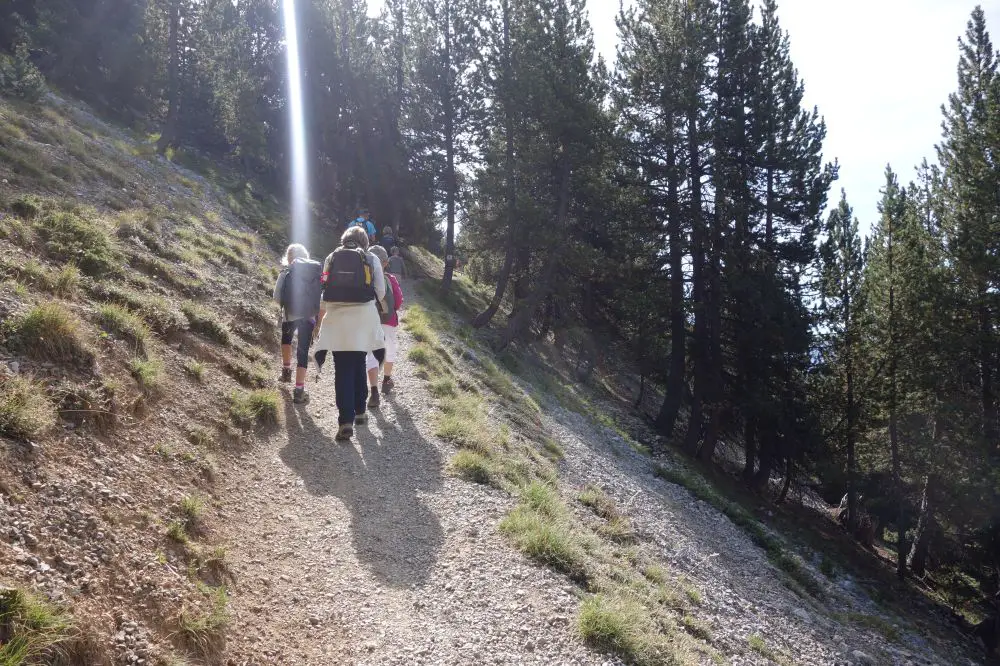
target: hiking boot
374 400
299 396
387 385
344 432
360 419
286 375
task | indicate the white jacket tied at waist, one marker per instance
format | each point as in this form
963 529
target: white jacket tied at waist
354 326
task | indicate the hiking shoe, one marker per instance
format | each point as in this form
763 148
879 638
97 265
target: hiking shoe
286 375
300 397
387 385
374 399
344 432
360 419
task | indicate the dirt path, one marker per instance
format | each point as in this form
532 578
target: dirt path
369 553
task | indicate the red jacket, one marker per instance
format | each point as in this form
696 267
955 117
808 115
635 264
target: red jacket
397 294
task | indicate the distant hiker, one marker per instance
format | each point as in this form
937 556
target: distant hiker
349 325
297 291
396 264
388 309
388 238
363 220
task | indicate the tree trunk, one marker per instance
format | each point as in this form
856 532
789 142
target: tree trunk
916 560
451 183
789 473
713 306
667 417
750 447
989 402
484 317
642 390
852 492
897 475
701 343
521 318
169 132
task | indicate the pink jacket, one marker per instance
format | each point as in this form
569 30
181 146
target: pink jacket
397 295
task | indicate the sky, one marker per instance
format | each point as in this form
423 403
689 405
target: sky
878 70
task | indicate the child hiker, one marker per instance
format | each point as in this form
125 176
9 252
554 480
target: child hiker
349 326
396 265
388 309
297 291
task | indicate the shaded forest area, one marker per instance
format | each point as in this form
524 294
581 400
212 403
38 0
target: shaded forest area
675 204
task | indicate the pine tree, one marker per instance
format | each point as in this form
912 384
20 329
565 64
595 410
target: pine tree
841 264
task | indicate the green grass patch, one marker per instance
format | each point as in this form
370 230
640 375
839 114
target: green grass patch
624 626
872 622
147 373
260 407
541 528
553 450
472 466
192 510
160 314
50 332
462 421
125 324
196 369
206 322
25 409
201 437
203 630
32 631
81 237
249 375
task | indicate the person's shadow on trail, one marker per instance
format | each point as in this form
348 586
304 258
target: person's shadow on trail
394 532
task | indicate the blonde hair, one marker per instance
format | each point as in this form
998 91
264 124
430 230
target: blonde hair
294 251
355 235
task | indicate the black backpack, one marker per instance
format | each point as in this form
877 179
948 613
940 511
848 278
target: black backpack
349 278
301 290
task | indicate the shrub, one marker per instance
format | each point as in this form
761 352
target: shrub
125 324
260 407
70 237
206 322
19 77
27 206
25 409
50 332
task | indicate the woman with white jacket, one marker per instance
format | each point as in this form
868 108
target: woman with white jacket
348 325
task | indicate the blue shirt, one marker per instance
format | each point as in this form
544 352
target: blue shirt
362 222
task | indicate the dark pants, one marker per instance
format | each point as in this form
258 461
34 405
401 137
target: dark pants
350 380
304 327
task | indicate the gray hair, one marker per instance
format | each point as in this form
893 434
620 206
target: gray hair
294 251
355 235
380 252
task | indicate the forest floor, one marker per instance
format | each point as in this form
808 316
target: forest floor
174 507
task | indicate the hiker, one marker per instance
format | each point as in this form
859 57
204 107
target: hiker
363 220
297 291
388 238
348 326
389 307
396 264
